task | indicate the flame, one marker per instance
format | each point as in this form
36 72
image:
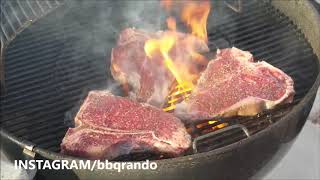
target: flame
182 75
195 15
181 92
164 45
171 23
167 4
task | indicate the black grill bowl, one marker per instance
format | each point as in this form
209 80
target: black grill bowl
51 64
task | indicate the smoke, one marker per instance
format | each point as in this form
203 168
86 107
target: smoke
97 25
147 15
91 30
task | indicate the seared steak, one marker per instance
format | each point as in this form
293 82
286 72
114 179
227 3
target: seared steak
108 126
233 84
149 80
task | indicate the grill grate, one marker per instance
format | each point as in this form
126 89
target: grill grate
48 68
16 14
249 126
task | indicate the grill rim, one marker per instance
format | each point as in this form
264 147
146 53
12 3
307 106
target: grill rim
296 110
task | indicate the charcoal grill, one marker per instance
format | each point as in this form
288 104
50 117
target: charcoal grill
52 54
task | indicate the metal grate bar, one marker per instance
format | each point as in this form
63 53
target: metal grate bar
48 3
57 2
254 13
17 14
4 32
8 20
40 6
14 13
32 10
9 108
23 11
43 76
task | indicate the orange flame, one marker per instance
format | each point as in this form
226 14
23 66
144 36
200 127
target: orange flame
167 4
182 75
171 23
195 15
164 45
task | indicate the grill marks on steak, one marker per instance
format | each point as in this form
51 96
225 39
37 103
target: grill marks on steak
108 126
149 79
233 84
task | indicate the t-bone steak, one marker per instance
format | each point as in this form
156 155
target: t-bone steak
148 78
108 126
233 84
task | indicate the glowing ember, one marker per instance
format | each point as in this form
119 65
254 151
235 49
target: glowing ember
219 126
179 94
